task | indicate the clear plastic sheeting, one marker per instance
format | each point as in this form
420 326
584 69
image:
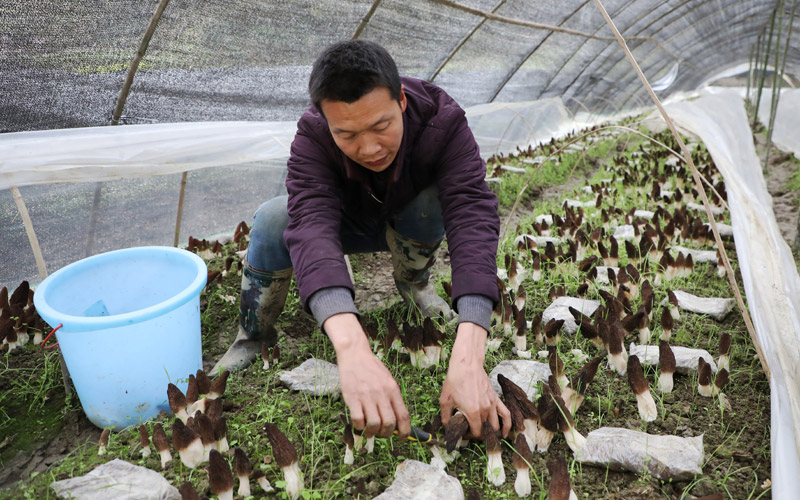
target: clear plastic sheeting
786 130
112 153
769 274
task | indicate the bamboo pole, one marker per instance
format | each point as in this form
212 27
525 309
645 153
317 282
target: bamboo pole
778 83
747 102
698 184
180 211
365 21
764 70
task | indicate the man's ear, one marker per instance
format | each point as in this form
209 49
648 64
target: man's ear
403 100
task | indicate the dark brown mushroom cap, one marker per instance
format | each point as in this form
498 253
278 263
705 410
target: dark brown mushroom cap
412 337
632 321
160 440
448 288
4 299
192 392
565 421
431 336
241 464
348 438
703 372
188 492
206 429
587 263
371 329
552 383
554 361
265 354
614 247
182 436
633 273
586 375
560 485
104 436
220 428
673 299
520 325
721 379
203 382
666 358
473 495
647 294
19 298
536 325
455 430
636 376
666 320
553 326
144 436
616 335
490 438
176 398
214 409
550 418
284 451
725 344
219 383
523 458
517 420
220 478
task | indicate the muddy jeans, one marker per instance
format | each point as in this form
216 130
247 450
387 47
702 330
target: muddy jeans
420 220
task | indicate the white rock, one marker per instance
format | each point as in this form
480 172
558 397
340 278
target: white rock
314 376
119 480
579 203
559 309
624 232
414 480
522 372
717 308
544 218
602 274
725 231
644 214
697 255
665 457
700 208
685 357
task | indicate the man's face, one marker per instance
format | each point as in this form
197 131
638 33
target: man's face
369 130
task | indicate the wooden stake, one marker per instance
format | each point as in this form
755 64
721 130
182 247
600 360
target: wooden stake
698 184
180 211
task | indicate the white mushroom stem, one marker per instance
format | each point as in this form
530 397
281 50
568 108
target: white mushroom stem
704 390
370 444
166 457
575 440
644 335
619 361
358 441
531 431
222 445
294 479
226 495
244 487
724 363
521 342
543 439
494 469
183 415
265 484
193 455
145 451
665 382
349 457
675 312
647 406
522 485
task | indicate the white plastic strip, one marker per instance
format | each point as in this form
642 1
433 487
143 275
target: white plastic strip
110 153
769 274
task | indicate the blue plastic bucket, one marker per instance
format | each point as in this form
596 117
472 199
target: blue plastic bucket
131 325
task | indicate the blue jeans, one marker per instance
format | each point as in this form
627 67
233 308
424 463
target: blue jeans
421 220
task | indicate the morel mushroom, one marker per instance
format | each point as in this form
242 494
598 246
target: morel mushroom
177 402
703 378
261 479
188 492
666 367
455 430
560 486
218 385
522 460
286 457
724 362
220 478
144 441
667 323
101 450
644 400
161 443
494 468
349 456
242 469
188 445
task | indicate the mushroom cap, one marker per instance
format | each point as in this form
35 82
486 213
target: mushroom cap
725 344
160 440
206 428
560 485
555 362
219 383
192 391
188 492
703 372
241 464
349 440
586 375
523 456
721 379
104 436
220 478
214 409
636 375
144 436
282 448
176 398
666 358
182 436
666 319
220 428
203 382
455 430
490 438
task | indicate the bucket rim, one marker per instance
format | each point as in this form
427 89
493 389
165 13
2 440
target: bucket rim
88 323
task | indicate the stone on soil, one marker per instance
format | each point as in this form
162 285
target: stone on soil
559 309
525 373
700 208
624 232
697 255
313 376
420 481
117 480
685 357
715 307
665 457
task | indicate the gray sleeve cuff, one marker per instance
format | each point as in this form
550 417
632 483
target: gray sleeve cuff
326 302
475 309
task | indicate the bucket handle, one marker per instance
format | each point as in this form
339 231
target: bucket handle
48 338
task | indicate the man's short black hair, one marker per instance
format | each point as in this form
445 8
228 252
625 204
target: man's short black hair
346 71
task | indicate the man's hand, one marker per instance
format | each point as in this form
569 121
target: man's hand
467 386
368 388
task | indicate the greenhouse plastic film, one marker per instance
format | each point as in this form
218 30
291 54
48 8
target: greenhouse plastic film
786 129
769 274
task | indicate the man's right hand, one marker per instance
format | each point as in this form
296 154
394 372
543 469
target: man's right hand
369 390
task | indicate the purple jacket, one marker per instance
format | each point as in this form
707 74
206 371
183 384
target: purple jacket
437 147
